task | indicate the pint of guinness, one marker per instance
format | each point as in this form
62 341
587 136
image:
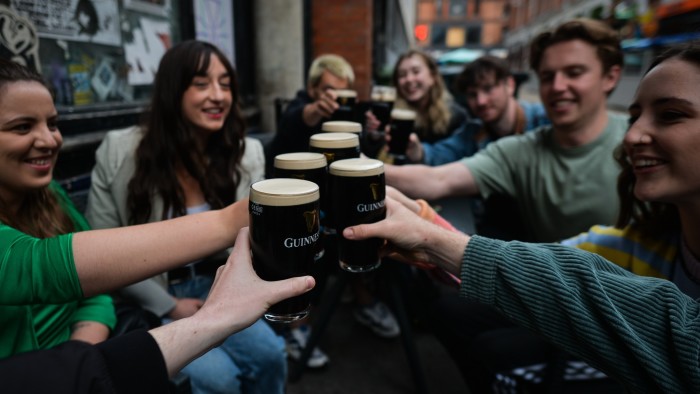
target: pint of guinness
346 100
402 124
335 146
383 98
307 166
284 230
357 191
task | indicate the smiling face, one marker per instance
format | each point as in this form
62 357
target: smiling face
29 139
207 101
573 85
664 136
414 80
488 100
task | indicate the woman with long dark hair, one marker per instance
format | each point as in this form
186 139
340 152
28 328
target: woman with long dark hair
191 155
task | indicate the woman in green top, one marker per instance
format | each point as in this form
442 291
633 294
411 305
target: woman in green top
32 204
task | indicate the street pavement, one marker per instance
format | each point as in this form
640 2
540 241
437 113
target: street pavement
361 362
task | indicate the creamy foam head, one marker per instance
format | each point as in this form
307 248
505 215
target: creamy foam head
334 140
357 167
300 161
384 93
403 114
283 192
341 126
345 93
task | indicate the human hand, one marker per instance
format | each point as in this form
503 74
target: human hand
326 104
406 201
411 239
414 150
371 122
239 297
185 307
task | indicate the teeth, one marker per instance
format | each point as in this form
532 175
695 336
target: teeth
646 162
213 110
40 162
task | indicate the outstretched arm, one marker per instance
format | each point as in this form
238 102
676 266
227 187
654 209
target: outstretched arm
236 300
111 258
432 183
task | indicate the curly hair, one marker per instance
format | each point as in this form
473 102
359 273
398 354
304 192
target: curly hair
435 118
40 213
652 217
169 141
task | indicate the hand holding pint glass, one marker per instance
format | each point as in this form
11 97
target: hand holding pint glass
357 192
284 230
402 125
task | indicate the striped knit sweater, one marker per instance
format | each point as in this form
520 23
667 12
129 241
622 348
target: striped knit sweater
642 331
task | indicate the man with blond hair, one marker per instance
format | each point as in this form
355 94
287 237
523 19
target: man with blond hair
304 115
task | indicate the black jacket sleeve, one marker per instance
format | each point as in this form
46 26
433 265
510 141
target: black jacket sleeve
131 363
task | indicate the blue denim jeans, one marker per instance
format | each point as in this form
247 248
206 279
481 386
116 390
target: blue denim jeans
251 361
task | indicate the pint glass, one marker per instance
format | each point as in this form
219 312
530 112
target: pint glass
383 98
357 191
335 146
346 100
402 123
307 166
284 229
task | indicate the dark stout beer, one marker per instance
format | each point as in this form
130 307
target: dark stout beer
335 146
383 98
402 123
346 100
357 191
307 166
284 230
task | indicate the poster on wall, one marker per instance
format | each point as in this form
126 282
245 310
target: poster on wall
18 39
95 21
155 7
214 24
151 39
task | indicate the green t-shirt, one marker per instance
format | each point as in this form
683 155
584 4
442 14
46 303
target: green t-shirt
560 192
39 287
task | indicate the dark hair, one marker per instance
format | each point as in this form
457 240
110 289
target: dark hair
597 33
168 140
436 118
40 213
652 217
480 69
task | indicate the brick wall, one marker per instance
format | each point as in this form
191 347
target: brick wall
344 27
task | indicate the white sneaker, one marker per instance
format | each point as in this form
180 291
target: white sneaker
379 319
296 341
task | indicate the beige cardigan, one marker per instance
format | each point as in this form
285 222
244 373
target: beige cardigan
107 207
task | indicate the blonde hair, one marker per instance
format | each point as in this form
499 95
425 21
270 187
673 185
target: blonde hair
435 119
334 64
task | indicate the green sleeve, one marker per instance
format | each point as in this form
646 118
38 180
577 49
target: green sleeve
641 331
35 271
97 308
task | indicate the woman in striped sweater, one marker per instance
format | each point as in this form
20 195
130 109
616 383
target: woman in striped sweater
642 331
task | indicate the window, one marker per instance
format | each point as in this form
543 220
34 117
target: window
458 8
